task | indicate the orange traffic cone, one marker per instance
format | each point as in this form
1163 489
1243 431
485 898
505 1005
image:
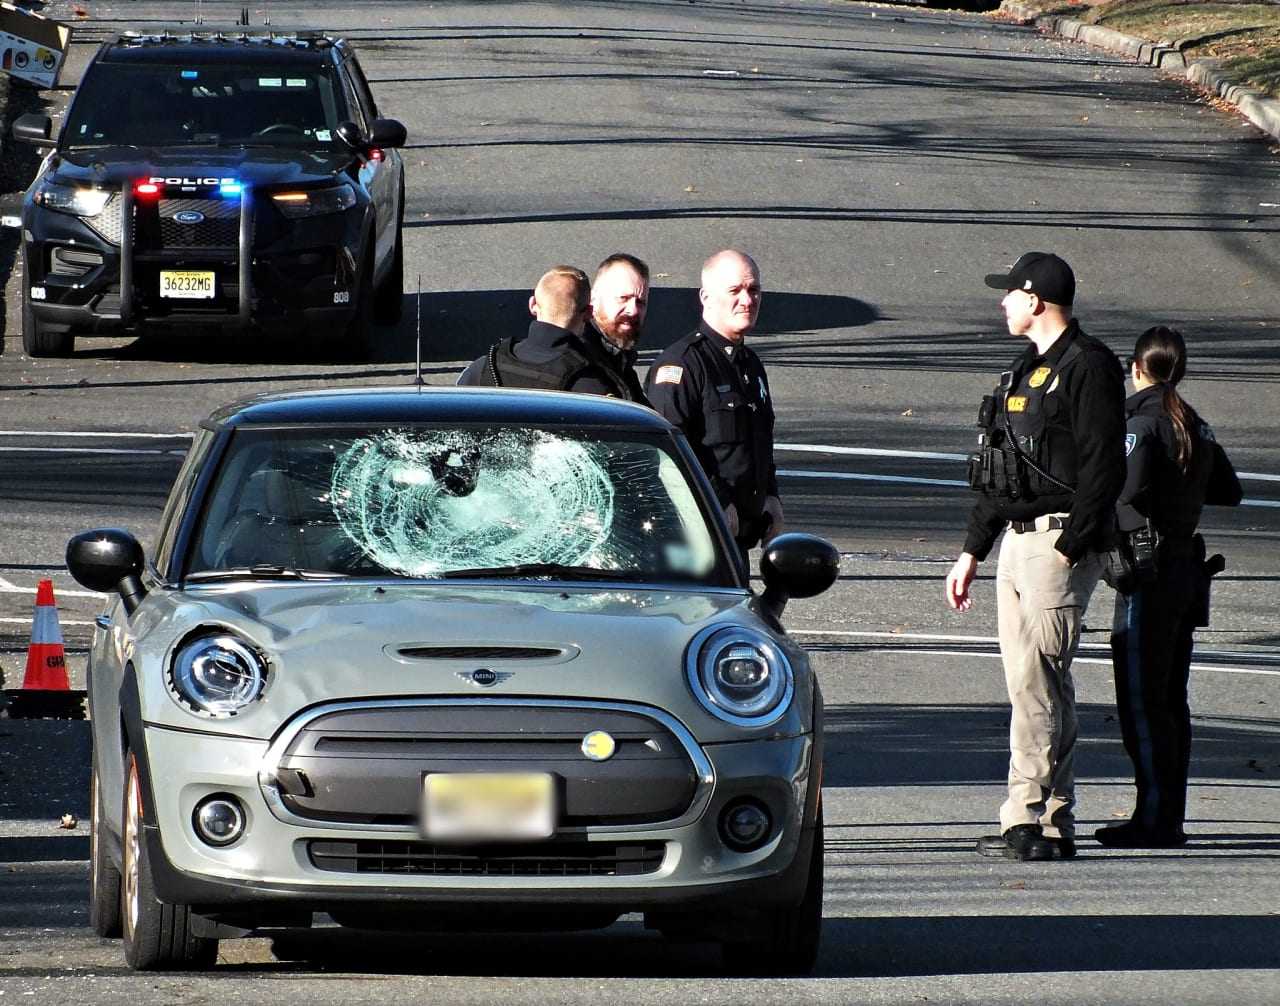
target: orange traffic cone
45 691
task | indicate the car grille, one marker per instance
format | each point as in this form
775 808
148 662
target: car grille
365 765
559 859
108 223
220 227
480 652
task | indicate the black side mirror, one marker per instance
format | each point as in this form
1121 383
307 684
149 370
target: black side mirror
349 133
797 565
387 133
33 128
107 559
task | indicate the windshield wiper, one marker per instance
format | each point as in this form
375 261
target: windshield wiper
264 571
540 569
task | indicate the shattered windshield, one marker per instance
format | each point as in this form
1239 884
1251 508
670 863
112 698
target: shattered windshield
436 502
124 104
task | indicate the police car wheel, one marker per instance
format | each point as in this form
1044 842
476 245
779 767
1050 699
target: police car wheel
40 340
389 303
358 341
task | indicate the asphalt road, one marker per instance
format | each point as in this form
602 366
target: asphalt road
876 161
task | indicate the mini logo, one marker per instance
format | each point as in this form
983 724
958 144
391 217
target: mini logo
189 217
483 677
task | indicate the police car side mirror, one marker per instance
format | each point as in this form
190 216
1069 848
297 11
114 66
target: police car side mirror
387 133
107 559
33 128
349 133
797 565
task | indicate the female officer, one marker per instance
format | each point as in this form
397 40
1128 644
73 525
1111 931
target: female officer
1174 468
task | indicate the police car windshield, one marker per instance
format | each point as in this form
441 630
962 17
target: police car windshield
150 105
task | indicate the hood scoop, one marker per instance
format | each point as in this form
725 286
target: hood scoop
546 654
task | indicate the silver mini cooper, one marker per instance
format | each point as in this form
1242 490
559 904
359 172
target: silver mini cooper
400 656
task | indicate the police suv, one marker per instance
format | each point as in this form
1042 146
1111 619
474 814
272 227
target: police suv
206 181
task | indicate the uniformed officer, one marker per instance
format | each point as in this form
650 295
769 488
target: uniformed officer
619 303
713 386
1049 467
554 355
1175 467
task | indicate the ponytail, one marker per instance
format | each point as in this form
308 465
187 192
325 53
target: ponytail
1161 354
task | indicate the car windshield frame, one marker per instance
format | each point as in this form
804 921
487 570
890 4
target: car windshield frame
693 513
190 122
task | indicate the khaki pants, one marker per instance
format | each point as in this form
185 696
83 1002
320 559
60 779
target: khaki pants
1041 603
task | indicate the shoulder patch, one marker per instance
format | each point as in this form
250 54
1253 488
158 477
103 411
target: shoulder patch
1130 442
669 375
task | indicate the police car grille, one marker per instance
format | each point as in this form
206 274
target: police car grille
559 859
108 223
219 228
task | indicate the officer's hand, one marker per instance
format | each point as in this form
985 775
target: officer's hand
958 581
731 512
773 509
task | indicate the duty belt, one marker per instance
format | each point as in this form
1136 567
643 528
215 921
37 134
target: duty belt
1049 522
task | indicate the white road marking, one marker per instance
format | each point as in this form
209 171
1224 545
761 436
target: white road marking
86 450
864 477
10 588
27 621
119 434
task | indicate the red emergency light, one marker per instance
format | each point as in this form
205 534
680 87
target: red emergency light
146 189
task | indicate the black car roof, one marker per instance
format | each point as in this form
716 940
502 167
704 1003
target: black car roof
177 46
436 405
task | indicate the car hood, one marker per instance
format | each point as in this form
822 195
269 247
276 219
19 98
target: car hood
345 642
257 166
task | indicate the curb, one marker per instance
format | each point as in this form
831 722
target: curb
1260 109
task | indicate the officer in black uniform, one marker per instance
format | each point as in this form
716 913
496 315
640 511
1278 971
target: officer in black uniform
714 387
1049 468
619 303
554 356
1175 467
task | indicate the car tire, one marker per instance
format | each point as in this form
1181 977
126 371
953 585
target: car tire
787 943
104 878
157 936
388 303
39 339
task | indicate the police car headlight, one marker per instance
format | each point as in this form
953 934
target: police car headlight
315 202
217 674
739 675
73 199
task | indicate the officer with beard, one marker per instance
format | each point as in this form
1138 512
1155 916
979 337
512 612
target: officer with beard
619 302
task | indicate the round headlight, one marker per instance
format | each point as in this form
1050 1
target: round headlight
218 675
740 675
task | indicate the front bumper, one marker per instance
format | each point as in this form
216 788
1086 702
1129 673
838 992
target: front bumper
271 871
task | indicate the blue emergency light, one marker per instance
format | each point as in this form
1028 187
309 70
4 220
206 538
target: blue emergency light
230 189
190 74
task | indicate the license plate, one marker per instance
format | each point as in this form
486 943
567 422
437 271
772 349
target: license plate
472 806
186 285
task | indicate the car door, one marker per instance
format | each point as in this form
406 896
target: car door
381 171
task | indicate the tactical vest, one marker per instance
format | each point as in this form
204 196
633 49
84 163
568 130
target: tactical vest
1017 457
503 369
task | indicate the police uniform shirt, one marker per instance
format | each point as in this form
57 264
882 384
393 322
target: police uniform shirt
1083 402
717 392
1155 487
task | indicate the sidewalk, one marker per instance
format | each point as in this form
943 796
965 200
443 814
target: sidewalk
1168 55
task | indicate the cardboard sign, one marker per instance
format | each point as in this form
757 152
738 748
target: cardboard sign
31 47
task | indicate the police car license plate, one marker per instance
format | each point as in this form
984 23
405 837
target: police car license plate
186 285
473 806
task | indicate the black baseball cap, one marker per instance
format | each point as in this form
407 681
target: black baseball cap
1045 275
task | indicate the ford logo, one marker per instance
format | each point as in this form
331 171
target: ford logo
189 217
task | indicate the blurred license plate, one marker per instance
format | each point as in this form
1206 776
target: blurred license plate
176 283
488 805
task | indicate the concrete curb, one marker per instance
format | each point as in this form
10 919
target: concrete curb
1260 109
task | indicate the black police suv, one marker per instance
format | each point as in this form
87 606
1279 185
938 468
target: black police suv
208 181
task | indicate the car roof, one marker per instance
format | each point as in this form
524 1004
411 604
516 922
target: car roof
383 405
183 45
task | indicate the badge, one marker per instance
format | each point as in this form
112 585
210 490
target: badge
1039 376
1017 403
669 375
1130 442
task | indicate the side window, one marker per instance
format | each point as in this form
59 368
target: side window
353 101
362 89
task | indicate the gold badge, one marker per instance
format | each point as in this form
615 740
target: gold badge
1039 376
1017 403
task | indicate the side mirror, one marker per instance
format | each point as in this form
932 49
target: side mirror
349 133
107 559
797 565
387 133
33 128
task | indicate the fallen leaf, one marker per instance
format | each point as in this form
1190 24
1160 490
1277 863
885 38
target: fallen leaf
68 822
1014 885
690 188
909 412
662 275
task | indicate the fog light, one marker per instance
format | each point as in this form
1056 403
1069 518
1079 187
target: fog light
219 820
745 825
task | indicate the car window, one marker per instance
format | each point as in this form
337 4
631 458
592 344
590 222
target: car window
354 109
214 105
430 502
183 486
365 95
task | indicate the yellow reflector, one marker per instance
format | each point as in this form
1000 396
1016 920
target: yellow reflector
290 197
598 746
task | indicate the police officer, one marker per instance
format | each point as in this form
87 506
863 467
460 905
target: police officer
554 356
1049 467
619 303
1175 467
713 386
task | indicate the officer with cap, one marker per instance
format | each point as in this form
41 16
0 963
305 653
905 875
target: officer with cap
713 386
1049 467
554 356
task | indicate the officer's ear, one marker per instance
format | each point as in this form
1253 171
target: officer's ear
702 295
533 305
